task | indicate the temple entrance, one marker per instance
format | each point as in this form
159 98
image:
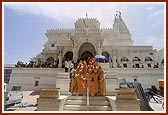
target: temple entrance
106 54
85 55
50 60
86 50
68 56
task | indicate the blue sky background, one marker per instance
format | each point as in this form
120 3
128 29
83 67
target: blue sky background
25 24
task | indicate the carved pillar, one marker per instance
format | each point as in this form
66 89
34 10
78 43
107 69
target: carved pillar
60 60
60 48
114 61
75 54
110 63
100 43
99 51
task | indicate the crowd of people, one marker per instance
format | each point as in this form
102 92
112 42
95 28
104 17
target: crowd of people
87 75
33 64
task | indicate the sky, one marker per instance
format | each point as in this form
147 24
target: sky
25 24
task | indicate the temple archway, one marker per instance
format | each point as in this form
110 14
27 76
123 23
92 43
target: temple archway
86 50
68 56
50 60
136 59
124 59
85 55
106 54
148 59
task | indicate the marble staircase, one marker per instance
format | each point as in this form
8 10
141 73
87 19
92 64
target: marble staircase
79 103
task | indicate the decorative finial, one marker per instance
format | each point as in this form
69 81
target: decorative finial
119 13
86 15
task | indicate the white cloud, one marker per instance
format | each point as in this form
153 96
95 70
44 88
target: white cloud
156 41
150 8
156 13
63 12
103 12
157 22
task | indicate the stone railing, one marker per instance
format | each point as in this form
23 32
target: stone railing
87 31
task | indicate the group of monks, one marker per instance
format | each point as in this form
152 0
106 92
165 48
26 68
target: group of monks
88 75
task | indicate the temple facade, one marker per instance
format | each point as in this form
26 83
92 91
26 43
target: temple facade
87 39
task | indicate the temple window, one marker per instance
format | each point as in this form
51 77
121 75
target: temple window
36 83
151 53
125 65
148 59
137 66
52 45
136 59
16 88
149 65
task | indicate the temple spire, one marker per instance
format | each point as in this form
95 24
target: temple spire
119 13
119 25
86 15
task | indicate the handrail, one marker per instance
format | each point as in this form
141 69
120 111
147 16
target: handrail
87 97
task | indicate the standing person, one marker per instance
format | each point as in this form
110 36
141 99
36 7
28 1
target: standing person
71 66
66 66
101 82
74 85
80 83
72 75
88 60
95 78
89 82
163 104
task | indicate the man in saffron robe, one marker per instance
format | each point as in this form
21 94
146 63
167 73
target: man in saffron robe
101 81
80 83
95 78
89 82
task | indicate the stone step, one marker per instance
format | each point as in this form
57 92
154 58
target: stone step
90 98
85 108
78 103
63 75
60 69
83 102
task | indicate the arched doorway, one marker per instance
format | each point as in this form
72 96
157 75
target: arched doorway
85 55
86 50
50 60
68 56
136 62
124 60
106 54
148 59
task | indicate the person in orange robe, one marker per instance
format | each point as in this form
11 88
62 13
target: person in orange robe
89 82
95 80
84 72
101 81
80 83
74 82
74 85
